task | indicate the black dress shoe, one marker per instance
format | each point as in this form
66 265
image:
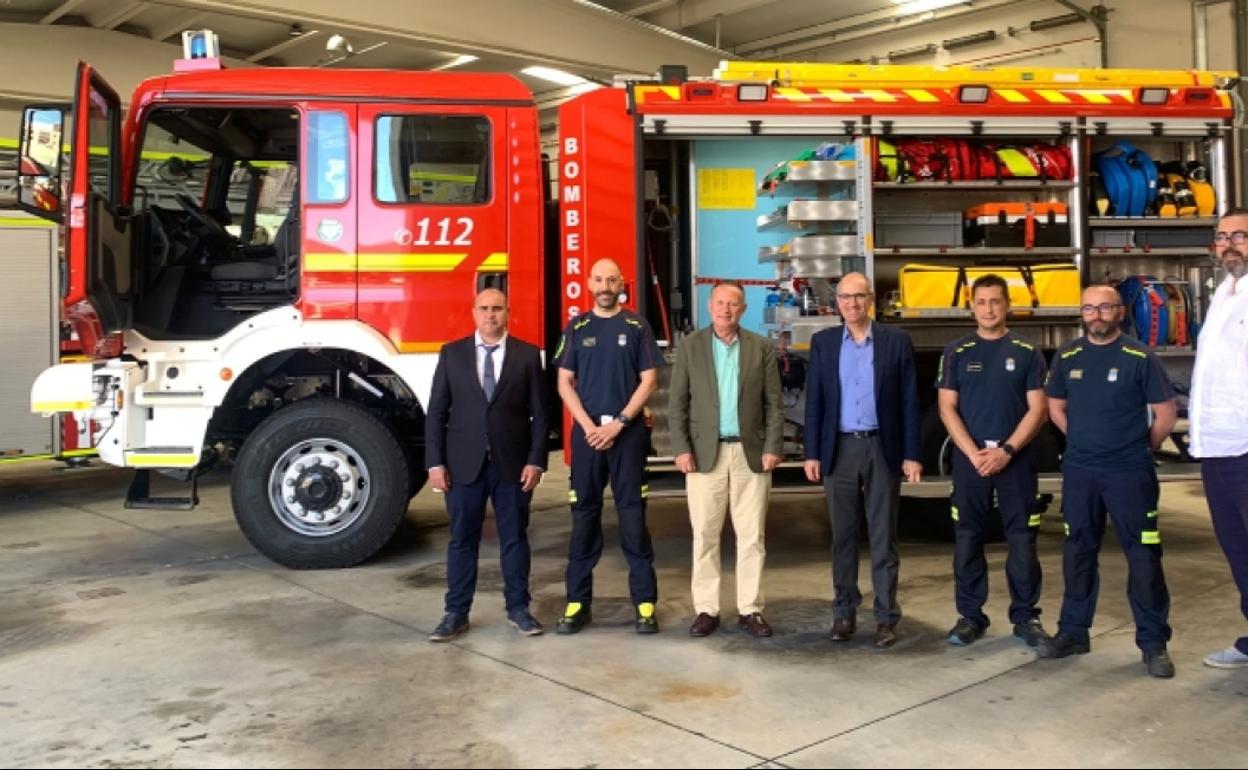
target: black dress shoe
525 623
453 624
1159 664
754 625
885 635
843 629
1060 645
704 624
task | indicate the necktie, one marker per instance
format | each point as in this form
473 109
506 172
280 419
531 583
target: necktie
487 374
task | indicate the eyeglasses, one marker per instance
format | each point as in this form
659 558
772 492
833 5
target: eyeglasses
859 297
1102 309
1238 238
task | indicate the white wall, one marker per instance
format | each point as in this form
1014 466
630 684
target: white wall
39 61
1152 34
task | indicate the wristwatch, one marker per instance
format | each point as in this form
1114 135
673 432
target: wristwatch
623 419
1009 450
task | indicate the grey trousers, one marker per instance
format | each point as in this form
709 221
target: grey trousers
861 475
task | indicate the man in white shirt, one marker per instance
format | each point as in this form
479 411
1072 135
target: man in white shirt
1219 414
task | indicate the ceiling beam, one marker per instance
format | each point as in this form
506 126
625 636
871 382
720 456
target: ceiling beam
693 12
859 26
121 15
180 22
576 35
60 11
289 42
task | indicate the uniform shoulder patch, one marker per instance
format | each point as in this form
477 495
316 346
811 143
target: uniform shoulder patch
1072 352
965 346
1024 345
582 323
633 322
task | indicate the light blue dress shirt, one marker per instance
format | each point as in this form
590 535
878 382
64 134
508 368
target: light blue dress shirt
857 375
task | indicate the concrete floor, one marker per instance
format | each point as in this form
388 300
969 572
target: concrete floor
153 638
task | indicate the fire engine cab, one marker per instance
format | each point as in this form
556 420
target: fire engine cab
263 264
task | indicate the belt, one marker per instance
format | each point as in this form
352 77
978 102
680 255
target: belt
730 439
860 433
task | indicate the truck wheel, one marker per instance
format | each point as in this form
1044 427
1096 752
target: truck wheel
320 484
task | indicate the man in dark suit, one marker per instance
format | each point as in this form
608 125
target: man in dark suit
727 434
485 439
862 436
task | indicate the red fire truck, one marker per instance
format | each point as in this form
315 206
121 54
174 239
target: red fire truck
263 264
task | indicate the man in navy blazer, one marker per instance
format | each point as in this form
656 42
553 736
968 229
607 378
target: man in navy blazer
485 439
861 437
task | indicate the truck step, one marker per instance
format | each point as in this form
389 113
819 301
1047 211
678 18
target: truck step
139 494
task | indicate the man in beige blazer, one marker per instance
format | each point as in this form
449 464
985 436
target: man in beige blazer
727 432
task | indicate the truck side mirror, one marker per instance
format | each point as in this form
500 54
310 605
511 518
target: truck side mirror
39 161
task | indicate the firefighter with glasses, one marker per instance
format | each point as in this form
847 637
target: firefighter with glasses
1102 388
991 398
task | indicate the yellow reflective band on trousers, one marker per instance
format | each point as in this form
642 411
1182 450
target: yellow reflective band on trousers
571 495
645 609
1034 521
953 512
573 608
1152 514
1067 526
1150 538
645 491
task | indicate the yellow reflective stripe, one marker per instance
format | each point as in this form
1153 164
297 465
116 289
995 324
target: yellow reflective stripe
793 94
573 608
419 347
1034 521
410 263
60 406
571 495
1152 514
1012 96
645 609
837 95
919 95
137 460
1070 353
967 346
645 490
1054 97
1134 352
25 222
78 453
1150 538
320 262
879 95
1067 526
496 261
1022 344
329 263
1094 97
953 512
430 176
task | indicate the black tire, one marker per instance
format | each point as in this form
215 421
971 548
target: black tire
376 473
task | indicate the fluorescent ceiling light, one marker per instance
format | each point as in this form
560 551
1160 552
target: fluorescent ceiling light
906 7
458 61
558 77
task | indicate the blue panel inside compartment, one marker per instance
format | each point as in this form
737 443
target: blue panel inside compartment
728 241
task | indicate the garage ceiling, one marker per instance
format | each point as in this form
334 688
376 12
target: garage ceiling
591 39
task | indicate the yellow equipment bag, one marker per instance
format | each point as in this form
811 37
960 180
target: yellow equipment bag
949 286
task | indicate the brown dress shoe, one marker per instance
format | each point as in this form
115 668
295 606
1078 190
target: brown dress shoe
885 635
704 624
843 629
754 624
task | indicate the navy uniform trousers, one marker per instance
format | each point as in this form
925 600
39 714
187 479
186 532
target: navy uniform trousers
1130 498
624 465
972 504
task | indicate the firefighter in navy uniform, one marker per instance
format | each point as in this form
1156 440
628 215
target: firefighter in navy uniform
991 395
1101 388
608 368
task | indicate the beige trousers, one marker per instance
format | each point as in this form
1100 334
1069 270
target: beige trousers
730 485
